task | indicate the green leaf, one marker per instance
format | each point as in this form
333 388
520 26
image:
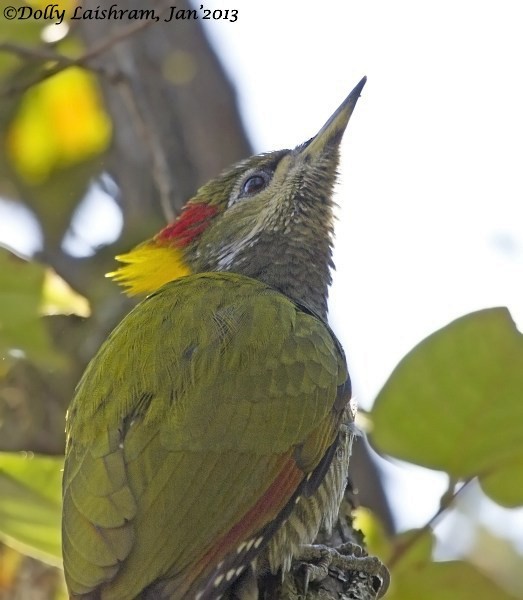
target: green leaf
415 576
23 32
30 504
437 580
22 330
454 403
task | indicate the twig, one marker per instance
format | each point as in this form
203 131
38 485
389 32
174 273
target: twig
446 501
64 61
39 53
161 174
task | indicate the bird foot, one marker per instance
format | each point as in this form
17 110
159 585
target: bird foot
319 559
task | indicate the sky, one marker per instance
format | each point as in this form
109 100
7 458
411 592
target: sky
431 187
431 194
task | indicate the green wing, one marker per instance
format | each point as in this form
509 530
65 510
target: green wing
213 396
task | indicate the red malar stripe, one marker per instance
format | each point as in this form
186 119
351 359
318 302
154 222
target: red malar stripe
192 221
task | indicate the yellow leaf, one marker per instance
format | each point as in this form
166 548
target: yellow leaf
375 537
60 122
58 297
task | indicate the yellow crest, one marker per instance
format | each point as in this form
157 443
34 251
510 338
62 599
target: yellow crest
149 266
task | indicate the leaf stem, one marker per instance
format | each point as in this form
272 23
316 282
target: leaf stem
446 501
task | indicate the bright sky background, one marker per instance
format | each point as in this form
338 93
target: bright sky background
431 194
431 219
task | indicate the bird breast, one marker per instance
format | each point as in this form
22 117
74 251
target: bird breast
312 513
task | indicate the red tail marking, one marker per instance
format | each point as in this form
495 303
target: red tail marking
192 221
267 508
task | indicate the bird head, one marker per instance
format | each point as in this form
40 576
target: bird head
269 217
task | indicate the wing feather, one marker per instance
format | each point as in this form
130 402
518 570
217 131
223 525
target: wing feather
190 432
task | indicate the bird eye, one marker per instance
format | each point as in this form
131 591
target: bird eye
254 184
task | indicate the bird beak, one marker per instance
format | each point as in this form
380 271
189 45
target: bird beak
331 133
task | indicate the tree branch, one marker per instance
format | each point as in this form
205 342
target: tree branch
63 62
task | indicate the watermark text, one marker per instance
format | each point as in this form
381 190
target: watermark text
54 14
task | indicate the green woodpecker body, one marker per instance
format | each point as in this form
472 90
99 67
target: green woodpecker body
205 441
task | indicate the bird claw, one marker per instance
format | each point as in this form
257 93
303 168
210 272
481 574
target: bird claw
318 559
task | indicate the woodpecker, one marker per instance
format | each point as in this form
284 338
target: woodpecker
209 438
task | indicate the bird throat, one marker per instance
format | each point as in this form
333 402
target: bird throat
299 271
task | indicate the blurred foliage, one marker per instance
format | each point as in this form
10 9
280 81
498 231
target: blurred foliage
453 403
30 504
25 578
418 576
59 148
22 332
57 123
58 298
